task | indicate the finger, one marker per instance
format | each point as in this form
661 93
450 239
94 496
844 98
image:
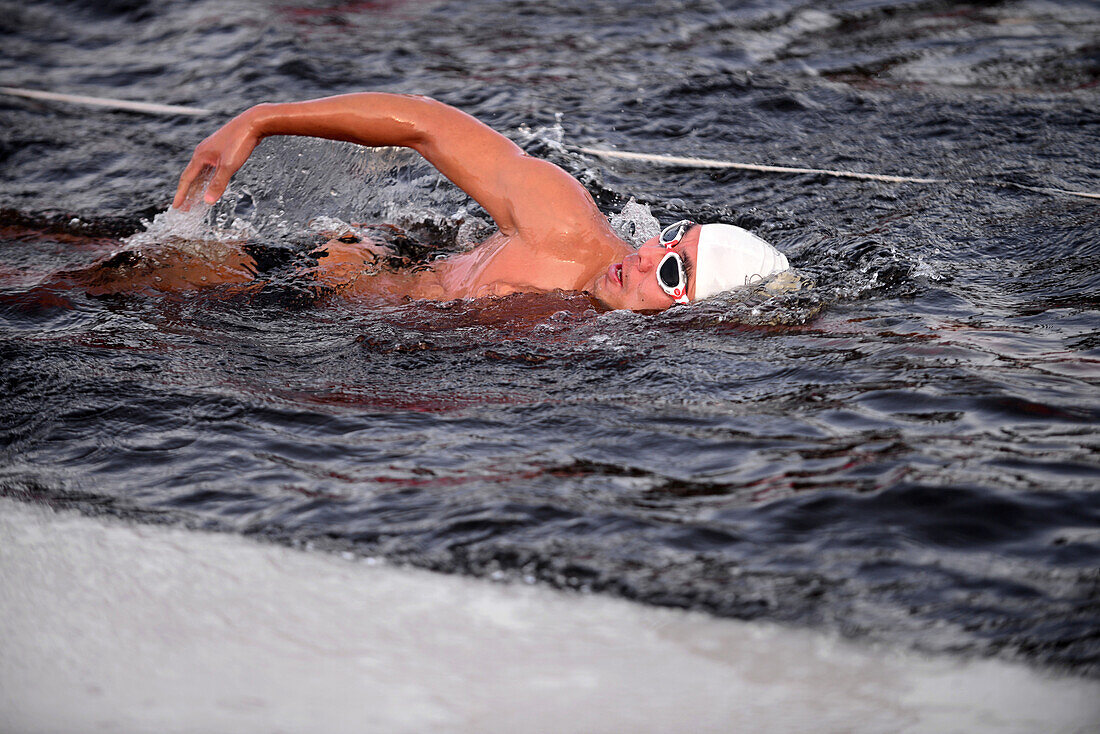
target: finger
201 183
187 181
181 187
197 186
217 185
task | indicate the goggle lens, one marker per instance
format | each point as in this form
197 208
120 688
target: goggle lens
671 272
674 232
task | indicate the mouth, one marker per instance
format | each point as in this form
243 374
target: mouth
615 273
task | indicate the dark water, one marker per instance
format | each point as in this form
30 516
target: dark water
905 450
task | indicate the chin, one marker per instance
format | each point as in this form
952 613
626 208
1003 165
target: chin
600 296
602 302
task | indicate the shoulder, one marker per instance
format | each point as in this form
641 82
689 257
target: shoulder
582 236
546 202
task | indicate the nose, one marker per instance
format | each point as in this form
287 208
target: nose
650 255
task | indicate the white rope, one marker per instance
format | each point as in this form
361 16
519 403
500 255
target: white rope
1052 192
671 160
118 104
666 160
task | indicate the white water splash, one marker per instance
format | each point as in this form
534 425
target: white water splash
635 223
195 232
172 223
923 269
552 136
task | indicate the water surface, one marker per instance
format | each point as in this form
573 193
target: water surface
904 450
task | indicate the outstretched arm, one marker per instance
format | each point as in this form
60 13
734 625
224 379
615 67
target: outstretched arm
518 191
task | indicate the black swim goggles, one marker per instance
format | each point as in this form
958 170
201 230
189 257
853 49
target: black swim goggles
670 271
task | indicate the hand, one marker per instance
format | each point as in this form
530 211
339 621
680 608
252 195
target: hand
216 159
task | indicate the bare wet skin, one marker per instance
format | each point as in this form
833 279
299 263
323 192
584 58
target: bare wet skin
167 269
348 264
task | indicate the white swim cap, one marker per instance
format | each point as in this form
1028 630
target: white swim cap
730 257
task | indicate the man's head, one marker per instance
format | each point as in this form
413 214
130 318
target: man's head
685 263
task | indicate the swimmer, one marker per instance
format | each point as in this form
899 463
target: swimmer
551 236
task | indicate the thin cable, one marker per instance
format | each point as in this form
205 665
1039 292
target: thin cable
670 160
148 108
1046 190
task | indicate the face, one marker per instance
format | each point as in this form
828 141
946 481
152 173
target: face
632 283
